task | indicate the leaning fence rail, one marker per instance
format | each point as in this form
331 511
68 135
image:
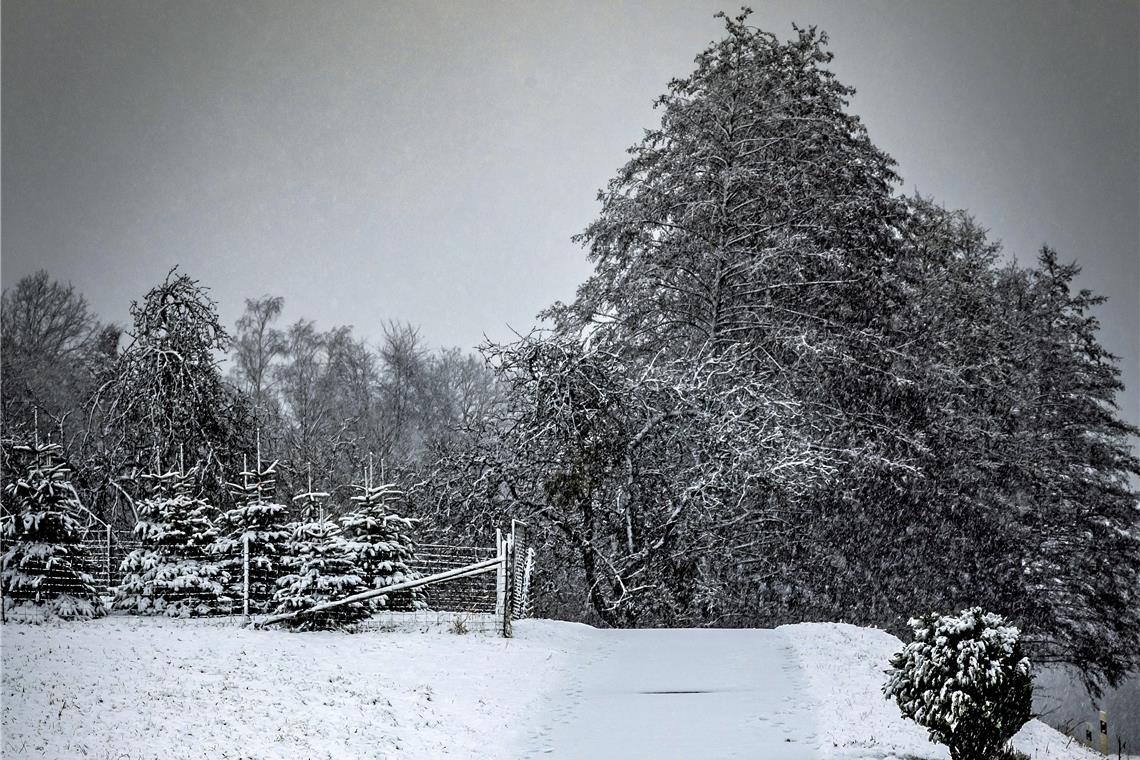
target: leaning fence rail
486 566
512 564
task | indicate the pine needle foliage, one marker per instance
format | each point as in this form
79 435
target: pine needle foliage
325 572
260 521
44 573
380 541
172 573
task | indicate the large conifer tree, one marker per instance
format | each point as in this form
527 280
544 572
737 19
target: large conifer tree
963 445
757 227
1070 482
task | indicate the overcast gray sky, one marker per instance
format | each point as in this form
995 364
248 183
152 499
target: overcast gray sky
429 161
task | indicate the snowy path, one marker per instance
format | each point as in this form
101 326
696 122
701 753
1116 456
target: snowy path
680 694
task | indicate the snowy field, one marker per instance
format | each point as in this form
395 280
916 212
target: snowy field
126 687
138 688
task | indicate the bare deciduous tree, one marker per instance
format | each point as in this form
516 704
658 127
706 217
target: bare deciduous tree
53 347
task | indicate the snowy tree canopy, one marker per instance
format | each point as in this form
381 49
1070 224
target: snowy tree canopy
166 391
789 392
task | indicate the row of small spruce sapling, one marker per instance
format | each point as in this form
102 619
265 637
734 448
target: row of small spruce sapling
191 561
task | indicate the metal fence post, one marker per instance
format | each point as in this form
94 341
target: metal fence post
508 584
245 575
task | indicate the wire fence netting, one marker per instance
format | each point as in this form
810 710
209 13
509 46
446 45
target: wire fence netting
130 577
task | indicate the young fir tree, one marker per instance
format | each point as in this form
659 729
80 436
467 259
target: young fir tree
310 507
379 541
43 575
260 521
323 571
172 573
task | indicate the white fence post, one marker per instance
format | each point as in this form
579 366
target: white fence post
500 574
108 558
524 593
245 575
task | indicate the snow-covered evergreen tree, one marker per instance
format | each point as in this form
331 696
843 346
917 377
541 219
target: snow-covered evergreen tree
172 573
43 574
379 540
324 572
261 521
1073 472
310 508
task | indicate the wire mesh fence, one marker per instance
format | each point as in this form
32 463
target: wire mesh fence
131 577
98 559
475 594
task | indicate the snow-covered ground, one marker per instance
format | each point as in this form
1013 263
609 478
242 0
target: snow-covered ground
125 687
844 667
679 693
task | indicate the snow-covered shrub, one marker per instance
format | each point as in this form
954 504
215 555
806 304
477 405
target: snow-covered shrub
43 573
459 626
965 680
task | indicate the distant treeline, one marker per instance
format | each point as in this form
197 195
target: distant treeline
123 401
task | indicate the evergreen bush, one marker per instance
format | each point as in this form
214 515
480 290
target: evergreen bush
964 679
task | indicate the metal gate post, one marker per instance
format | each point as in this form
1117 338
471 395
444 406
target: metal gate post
524 592
500 572
508 585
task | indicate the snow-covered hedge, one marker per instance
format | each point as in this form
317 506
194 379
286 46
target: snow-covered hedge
965 680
